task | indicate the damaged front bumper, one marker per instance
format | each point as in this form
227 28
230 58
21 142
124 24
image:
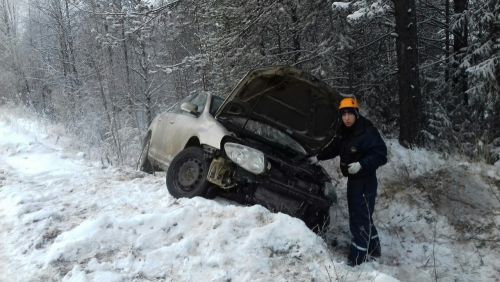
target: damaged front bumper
284 187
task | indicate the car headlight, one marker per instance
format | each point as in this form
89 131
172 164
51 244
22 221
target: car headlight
248 158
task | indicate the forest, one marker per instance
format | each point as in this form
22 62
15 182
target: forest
427 72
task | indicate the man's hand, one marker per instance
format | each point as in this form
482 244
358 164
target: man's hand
354 168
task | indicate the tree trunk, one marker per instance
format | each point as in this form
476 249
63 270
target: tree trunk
460 34
126 64
351 72
57 15
296 32
447 44
145 77
408 80
109 115
495 130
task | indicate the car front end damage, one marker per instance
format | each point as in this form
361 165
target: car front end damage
253 173
252 147
279 117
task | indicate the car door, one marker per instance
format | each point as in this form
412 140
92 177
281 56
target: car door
179 126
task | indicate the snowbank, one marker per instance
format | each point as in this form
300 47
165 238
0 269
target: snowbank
66 218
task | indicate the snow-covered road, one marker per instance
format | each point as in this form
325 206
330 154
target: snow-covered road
64 217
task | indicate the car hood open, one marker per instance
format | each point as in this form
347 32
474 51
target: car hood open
289 99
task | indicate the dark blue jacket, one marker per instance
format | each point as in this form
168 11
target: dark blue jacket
360 143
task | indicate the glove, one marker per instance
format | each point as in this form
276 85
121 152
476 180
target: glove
312 160
354 168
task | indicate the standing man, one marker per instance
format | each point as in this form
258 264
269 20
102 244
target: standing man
361 151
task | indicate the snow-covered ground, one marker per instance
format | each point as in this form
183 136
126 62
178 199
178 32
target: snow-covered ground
64 217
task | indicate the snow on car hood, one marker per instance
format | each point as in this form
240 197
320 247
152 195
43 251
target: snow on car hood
289 99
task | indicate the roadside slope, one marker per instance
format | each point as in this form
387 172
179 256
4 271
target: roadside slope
64 217
67 218
438 218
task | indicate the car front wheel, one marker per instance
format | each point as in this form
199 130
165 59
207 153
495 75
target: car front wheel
187 174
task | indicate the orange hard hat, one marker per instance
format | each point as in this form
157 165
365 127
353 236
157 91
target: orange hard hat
348 103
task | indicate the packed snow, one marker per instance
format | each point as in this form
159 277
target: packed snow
341 5
361 9
65 216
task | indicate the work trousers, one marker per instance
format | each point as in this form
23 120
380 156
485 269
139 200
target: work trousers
361 194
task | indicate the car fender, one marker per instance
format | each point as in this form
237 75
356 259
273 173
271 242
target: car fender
211 131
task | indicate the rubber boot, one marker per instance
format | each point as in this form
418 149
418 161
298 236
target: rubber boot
374 248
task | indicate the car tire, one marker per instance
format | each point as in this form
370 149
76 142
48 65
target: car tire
145 164
187 174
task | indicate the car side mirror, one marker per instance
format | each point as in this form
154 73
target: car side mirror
189 107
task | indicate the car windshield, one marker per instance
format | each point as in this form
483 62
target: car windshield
270 133
215 105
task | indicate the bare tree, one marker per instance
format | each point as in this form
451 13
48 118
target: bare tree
84 61
11 57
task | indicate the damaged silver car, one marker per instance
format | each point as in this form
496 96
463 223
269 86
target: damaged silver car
252 147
